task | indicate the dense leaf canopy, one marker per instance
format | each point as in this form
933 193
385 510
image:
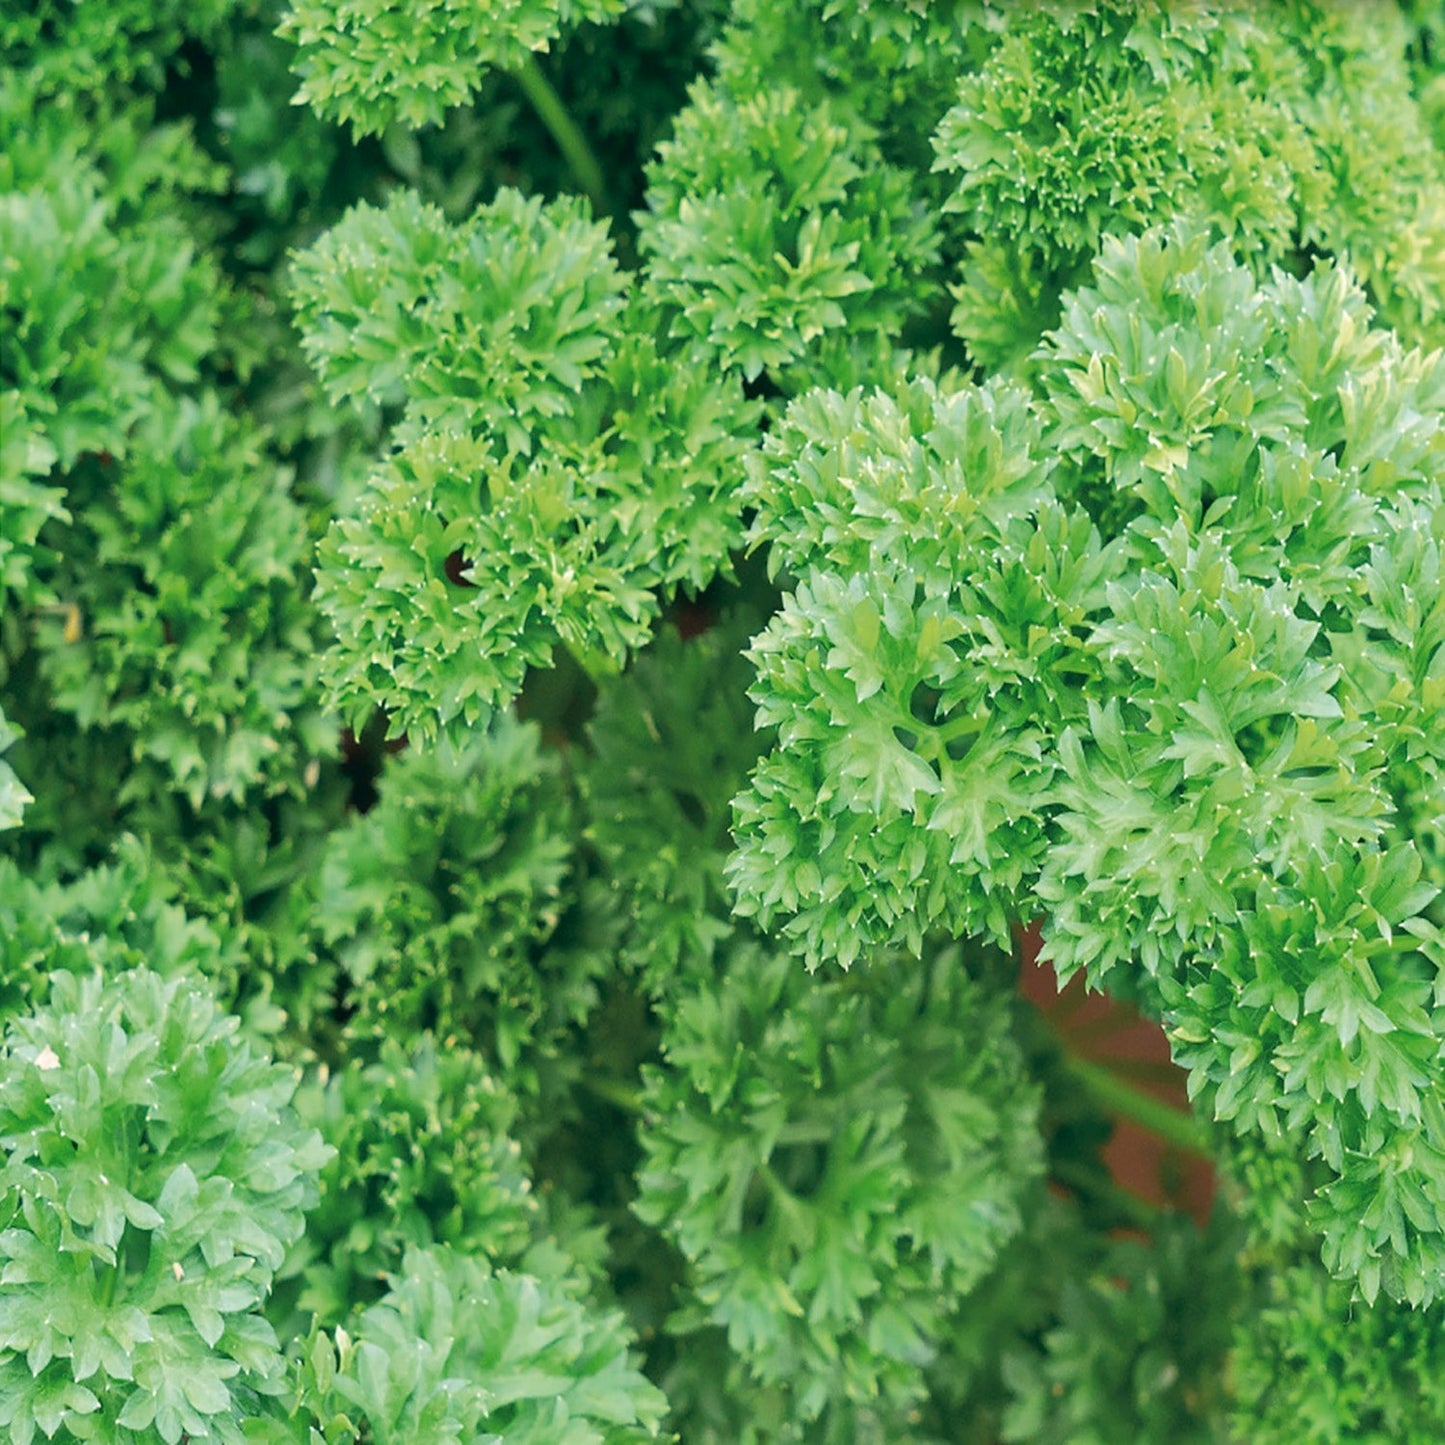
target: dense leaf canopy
581 584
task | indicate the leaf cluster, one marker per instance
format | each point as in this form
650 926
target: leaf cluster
839 1162
1178 746
423 1155
378 63
458 1352
1293 134
554 467
154 1176
456 906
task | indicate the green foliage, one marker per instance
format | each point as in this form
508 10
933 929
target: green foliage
285 162
422 1155
1291 133
774 226
671 746
1265 760
896 63
1426 54
153 1178
454 906
1131 1355
457 1352
396 305
1189 736
911 701
723 1405
198 634
156 619
1310 1366
13 793
642 923
554 465
376 63
838 1161
71 47
119 916
25 453
106 299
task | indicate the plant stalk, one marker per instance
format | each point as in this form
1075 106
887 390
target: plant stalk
580 157
1139 1212
616 1093
1170 1124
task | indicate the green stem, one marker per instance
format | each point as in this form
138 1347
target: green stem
624 1096
1174 1126
1170 1124
111 1276
808 1131
783 1197
586 169
597 666
1145 1071
1105 1026
1085 1181
960 727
